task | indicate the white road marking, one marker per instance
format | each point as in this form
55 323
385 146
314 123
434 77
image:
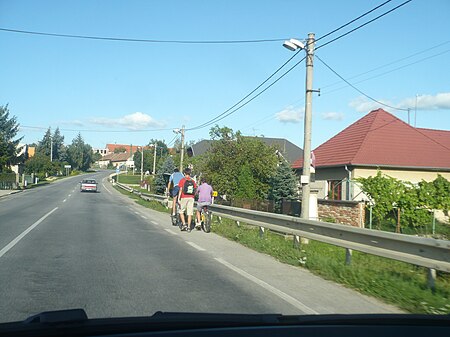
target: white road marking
70 195
136 212
143 217
106 188
64 200
195 246
291 300
154 222
170 231
25 232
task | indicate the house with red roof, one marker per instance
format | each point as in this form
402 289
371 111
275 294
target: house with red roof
382 141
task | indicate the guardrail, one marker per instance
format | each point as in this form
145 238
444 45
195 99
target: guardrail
426 252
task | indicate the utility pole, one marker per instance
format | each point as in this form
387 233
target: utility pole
154 161
182 149
51 148
306 175
142 164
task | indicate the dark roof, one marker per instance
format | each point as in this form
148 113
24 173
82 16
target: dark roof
381 139
289 150
113 157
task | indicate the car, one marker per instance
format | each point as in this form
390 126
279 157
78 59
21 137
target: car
88 185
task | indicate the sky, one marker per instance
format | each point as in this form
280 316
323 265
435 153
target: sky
129 92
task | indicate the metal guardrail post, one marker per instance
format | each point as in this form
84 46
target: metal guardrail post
261 232
348 256
431 278
296 241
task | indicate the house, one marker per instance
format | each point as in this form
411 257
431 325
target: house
287 150
382 141
117 160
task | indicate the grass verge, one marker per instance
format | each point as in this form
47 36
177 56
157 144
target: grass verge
394 282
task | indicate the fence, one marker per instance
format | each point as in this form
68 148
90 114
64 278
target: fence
426 252
8 181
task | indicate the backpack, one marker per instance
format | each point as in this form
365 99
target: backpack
189 187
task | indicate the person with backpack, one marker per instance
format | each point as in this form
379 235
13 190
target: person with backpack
186 198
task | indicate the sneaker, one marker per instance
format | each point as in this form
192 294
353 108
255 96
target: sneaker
184 227
197 224
188 229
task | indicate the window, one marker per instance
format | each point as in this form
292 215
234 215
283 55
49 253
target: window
335 189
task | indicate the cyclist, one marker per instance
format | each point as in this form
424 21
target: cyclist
186 196
174 179
205 193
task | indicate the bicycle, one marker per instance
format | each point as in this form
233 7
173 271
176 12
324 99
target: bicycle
205 219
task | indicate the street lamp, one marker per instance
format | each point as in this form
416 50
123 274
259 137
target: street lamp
293 45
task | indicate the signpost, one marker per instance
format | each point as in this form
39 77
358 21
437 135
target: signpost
67 167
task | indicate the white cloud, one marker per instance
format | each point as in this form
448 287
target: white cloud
427 102
333 116
290 115
424 102
134 121
362 104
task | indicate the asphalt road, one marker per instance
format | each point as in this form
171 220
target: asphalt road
60 249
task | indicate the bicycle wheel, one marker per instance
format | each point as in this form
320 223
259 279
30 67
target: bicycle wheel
206 224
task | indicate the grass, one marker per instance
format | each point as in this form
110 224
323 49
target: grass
394 282
130 179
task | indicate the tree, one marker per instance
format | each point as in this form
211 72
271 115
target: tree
148 160
120 150
161 147
59 150
283 185
45 144
9 147
79 154
238 165
167 168
41 165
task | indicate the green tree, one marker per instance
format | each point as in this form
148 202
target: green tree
59 150
79 154
283 185
120 150
41 165
148 160
233 158
9 147
167 167
45 144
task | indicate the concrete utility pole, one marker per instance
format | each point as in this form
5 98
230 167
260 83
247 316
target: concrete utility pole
154 161
51 148
306 175
182 149
142 164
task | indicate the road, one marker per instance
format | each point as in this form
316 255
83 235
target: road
60 248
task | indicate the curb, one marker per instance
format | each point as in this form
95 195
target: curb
12 192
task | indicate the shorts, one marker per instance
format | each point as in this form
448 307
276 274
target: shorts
175 191
187 204
201 204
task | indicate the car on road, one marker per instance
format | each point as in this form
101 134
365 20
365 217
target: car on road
88 185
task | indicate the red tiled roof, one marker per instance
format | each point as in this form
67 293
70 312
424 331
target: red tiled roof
381 139
127 147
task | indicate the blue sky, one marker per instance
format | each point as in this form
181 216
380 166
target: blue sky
113 90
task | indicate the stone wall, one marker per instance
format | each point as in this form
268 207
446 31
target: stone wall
343 212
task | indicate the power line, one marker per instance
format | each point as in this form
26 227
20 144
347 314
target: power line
254 97
350 22
96 130
120 39
364 24
227 113
361 92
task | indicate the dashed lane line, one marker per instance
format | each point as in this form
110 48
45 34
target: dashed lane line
64 200
291 300
25 232
195 246
170 231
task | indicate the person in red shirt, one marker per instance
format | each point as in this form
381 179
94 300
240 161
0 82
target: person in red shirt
186 197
